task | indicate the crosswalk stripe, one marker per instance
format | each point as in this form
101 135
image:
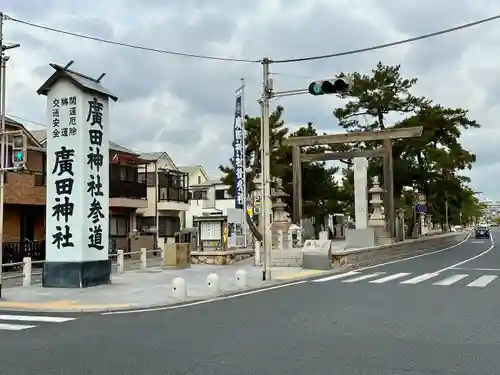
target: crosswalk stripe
33 318
390 277
450 280
14 327
363 277
335 277
482 281
419 279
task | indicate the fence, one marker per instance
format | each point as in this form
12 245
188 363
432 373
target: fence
27 269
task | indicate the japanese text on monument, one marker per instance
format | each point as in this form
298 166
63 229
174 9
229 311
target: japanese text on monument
95 160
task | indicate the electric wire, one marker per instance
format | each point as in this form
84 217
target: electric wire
391 44
230 59
127 45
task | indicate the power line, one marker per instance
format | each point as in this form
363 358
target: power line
26 120
290 75
230 59
392 44
133 46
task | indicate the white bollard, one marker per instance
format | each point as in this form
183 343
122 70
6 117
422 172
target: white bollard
27 271
213 283
241 278
120 261
144 259
179 290
257 253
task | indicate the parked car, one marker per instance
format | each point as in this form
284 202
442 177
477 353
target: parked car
482 231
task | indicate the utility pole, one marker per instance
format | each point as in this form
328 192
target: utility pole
266 170
2 150
3 83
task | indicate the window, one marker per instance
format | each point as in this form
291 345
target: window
144 222
199 194
220 194
168 225
199 180
119 226
128 174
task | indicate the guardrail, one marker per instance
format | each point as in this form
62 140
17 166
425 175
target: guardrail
120 263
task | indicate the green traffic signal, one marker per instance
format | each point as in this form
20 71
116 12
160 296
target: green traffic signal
18 156
315 88
334 86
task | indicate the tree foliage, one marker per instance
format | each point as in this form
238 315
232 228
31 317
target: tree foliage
432 164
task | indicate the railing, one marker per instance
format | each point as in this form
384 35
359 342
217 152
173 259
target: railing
127 189
14 253
121 262
173 194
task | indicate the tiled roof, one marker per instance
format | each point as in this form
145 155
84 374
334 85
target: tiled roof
80 80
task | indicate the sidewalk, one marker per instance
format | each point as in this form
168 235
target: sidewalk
143 289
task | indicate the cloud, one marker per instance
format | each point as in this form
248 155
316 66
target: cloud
184 106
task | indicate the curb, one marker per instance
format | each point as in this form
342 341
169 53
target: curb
222 295
187 301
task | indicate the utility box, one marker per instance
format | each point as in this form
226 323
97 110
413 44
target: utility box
177 255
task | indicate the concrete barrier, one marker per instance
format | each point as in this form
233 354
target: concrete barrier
398 250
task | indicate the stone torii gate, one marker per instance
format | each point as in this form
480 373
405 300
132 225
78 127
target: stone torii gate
355 137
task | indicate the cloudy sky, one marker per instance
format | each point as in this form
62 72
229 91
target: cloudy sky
184 106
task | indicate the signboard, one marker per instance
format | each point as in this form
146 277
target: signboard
421 208
77 219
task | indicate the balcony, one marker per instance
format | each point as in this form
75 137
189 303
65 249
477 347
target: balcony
131 194
173 191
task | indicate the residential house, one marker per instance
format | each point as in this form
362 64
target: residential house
168 199
196 174
127 193
24 201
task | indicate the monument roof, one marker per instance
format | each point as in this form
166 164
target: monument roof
82 81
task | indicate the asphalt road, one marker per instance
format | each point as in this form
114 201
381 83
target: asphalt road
329 327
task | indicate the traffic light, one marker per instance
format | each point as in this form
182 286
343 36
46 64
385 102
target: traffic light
331 86
19 150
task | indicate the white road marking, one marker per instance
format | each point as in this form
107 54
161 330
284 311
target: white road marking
471 258
363 277
189 304
163 308
335 277
477 269
14 327
416 256
450 280
390 278
32 318
419 279
482 281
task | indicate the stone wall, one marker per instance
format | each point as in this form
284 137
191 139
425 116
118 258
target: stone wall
220 257
385 253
